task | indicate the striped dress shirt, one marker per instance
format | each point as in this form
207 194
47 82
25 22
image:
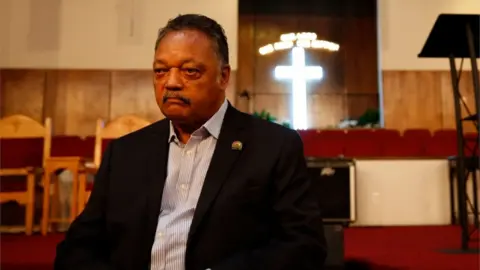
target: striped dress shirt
187 166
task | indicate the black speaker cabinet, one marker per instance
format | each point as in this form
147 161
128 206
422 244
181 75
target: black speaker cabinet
333 180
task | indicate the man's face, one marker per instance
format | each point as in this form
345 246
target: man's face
189 78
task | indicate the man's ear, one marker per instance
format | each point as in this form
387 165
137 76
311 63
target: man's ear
225 76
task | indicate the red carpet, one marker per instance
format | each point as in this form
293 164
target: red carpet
414 248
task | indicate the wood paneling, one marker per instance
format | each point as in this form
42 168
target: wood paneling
28 99
134 88
424 99
350 83
75 99
86 96
337 8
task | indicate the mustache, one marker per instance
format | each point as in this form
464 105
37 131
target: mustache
176 95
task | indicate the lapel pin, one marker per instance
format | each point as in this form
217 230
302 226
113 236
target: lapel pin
237 145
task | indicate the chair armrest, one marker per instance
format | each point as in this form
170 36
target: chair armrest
16 171
88 170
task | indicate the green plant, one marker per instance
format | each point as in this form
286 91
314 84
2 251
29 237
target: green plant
267 116
369 117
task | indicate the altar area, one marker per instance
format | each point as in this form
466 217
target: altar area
394 192
399 178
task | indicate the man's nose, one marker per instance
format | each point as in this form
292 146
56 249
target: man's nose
174 80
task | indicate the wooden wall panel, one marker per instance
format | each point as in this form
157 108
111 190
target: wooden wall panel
22 93
327 109
75 99
351 76
424 99
132 93
361 56
323 109
277 105
247 54
358 102
86 98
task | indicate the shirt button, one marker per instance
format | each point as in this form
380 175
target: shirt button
183 186
160 234
189 152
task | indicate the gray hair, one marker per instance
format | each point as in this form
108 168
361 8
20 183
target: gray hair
200 23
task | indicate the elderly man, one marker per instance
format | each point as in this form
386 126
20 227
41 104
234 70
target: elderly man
209 187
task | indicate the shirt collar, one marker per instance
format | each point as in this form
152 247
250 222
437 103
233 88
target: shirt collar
212 126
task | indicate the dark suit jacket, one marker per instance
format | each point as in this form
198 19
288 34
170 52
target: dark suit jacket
254 210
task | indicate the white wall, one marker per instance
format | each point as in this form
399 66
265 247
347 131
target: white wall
97 34
110 34
405 25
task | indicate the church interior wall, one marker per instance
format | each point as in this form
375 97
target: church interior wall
44 72
417 92
77 61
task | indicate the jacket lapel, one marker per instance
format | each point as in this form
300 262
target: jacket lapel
223 159
157 174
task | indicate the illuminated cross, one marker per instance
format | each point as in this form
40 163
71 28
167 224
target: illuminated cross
299 74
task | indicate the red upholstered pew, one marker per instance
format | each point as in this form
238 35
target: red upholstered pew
19 153
28 151
323 143
72 146
384 143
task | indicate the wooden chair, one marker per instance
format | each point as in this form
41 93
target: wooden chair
19 159
104 134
